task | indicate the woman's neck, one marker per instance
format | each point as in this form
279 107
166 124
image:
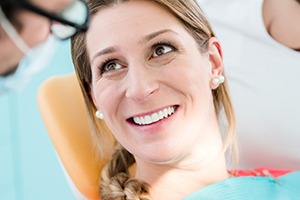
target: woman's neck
180 179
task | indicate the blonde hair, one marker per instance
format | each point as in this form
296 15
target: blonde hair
116 182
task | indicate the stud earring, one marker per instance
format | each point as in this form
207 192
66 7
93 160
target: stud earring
99 115
218 80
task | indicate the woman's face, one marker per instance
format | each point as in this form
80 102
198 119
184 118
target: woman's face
150 80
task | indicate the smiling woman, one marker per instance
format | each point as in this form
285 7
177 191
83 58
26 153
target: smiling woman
158 82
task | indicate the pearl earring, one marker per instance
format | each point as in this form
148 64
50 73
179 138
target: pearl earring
218 80
99 115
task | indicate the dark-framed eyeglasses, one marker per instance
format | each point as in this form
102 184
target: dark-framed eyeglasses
72 19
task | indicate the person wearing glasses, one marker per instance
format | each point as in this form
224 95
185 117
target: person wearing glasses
29 32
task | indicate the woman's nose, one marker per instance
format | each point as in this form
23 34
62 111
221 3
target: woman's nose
142 82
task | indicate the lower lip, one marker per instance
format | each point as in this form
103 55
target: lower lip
155 127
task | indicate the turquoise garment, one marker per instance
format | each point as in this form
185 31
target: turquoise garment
286 187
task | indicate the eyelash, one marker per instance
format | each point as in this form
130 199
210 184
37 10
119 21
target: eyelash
161 43
154 46
104 63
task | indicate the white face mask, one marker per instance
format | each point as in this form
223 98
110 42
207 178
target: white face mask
34 60
74 18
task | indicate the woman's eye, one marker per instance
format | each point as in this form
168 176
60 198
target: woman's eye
161 50
109 66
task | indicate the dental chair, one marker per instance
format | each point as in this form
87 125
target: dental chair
64 113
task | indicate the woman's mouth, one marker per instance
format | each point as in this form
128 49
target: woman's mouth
153 117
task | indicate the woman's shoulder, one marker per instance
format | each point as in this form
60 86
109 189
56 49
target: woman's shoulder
260 183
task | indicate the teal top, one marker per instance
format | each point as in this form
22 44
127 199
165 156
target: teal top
286 187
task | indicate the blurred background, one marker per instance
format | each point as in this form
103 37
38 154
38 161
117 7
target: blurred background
29 168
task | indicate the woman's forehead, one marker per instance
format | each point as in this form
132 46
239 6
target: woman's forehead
129 20
132 13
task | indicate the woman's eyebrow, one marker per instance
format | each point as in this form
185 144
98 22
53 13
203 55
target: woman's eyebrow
150 36
147 38
107 50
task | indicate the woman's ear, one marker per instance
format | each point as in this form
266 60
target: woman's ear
215 56
93 96
98 113
216 60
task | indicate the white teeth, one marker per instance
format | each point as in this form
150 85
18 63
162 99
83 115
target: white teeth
155 117
149 119
165 112
160 114
142 120
137 120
